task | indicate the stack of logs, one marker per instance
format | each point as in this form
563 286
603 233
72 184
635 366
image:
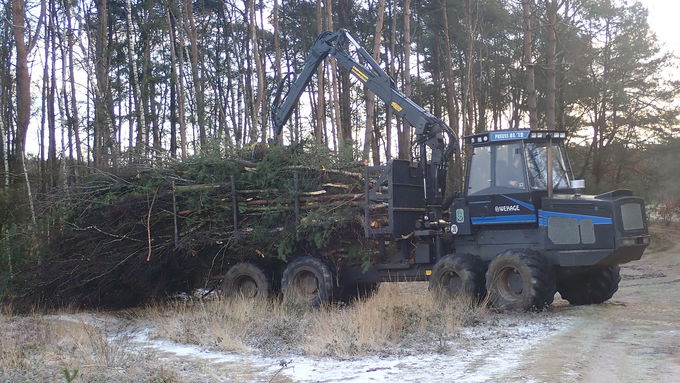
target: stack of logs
149 233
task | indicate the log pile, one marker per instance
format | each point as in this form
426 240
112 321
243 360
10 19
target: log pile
146 233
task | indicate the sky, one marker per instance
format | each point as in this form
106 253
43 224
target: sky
663 19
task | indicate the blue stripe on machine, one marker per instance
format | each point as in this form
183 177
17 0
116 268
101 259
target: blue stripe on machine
525 204
543 216
524 218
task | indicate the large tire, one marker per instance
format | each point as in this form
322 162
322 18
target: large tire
458 276
308 281
520 280
590 287
246 280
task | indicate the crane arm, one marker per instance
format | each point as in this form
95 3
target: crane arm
429 130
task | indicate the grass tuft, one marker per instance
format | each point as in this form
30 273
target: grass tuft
397 316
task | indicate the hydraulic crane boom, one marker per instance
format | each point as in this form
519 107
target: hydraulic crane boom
429 130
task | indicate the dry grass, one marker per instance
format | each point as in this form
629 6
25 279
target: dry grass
397 317
97 348
60 348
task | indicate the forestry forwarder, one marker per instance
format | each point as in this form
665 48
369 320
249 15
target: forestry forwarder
515 233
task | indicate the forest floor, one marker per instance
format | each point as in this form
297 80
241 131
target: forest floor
634 337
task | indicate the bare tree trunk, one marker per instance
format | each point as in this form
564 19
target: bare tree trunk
370 138
527 8
456 175
450 85
551 49
192 33
51 123
405 135
335 121
44 179
3 157
277 55
103 145
344 18
468 103
393 73
23 89
178 78
74 105
134 82
65 111
5 95
151 89
23 82
321 93
259 98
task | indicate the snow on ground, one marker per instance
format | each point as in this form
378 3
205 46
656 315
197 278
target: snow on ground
484 352
477 354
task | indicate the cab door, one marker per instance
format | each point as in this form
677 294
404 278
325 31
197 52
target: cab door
497 191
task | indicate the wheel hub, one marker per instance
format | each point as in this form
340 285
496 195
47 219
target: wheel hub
452 282
307 283
511 283
246 287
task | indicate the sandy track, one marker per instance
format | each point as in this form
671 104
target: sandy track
635 337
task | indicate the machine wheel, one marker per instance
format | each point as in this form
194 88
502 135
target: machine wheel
458 275
247 280
520 280
307 280
590 287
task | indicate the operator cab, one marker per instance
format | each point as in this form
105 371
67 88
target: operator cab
516 161
507 180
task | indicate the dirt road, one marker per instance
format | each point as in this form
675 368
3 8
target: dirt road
635 337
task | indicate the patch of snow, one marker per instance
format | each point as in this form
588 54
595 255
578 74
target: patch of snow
477 354
480 354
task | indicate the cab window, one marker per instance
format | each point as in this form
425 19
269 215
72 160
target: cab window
537 160
480 170
497 169
509 167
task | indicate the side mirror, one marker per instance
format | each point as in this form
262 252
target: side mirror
578 186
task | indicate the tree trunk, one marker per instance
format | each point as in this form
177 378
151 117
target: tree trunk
345 17
195 57
277 55
321 93
23 89
456 174
103 145
404 139
527 9
134 82
259 98
178 78
370 138
469 126
335 121
75 122
44 179
52 166
551 49
450 85
392 73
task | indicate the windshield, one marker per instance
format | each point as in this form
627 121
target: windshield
537 161
497 169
